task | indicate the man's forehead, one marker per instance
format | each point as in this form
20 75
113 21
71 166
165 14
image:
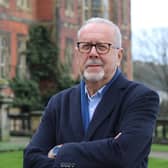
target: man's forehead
97 25
96 30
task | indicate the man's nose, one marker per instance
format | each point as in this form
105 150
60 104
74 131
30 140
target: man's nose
93 52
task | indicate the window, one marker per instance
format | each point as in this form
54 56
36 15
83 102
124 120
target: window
87 7
125 12
115 9
87 3
21 65
69 53
96 3
4 3
23 4
93 8
96 8
105 8
4 54
69 8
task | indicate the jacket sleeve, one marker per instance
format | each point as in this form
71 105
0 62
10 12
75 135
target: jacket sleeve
129 150
35 154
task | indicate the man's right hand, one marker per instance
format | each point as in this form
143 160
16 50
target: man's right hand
53 152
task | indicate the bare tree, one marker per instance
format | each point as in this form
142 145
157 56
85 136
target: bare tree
151 47
150 54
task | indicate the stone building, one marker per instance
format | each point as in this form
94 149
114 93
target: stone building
71 13
119 13
15 18
64 18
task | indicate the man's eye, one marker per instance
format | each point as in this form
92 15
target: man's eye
102 47
86 46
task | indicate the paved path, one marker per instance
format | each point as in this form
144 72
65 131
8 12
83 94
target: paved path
162 155
21 142
15 143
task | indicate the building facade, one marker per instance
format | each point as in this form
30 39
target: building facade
72 13
15 18
68 18
64 17
119 13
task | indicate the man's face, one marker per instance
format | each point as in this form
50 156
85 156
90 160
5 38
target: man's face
94 66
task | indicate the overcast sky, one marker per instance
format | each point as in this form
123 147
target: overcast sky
149 13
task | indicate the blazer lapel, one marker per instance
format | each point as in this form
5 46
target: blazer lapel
75 114
106 106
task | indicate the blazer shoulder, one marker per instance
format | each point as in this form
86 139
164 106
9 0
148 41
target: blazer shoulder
138 88
133 88
74 90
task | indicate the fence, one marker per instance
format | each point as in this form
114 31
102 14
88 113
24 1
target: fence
24 124
161 131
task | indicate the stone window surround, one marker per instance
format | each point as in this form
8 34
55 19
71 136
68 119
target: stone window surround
4 3
69 8
4 59
21 64
23 5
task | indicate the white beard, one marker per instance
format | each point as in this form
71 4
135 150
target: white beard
93 77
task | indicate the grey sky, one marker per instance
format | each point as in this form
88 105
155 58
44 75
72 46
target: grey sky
149 13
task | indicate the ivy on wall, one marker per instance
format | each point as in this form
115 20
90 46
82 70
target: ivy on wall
47 74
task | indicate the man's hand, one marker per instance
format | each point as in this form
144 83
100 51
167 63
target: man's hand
118 135
53 152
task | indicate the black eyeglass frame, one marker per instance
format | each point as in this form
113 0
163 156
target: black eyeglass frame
95 45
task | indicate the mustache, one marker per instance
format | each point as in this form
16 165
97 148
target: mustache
93 62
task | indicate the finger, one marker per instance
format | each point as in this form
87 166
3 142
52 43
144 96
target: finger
51 155
118 135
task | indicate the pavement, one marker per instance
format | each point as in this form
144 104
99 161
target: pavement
15 143
161 155
19 143
20 140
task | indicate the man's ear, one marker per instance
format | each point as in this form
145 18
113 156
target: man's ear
120 56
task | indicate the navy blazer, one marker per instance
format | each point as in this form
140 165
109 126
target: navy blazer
127 107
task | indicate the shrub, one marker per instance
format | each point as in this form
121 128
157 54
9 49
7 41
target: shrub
27 94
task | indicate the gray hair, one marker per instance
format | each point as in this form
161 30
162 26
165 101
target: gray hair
117 38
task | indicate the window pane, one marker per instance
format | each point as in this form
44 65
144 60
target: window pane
4 3
69 52
96 3
4 54
23 4
69 8
21 65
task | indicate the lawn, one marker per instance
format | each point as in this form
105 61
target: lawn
11 159
15 159
160 148
157 163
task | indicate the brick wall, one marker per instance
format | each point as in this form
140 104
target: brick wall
45 10
16 20
120 14
54 12
67 26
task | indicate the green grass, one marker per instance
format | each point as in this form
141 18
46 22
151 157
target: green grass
157 163
11 159
160 148
15 160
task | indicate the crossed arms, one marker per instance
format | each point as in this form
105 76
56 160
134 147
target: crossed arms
128 148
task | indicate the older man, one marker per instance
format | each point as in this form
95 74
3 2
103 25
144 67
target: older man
106 121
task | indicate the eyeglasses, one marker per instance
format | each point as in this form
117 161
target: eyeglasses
101 48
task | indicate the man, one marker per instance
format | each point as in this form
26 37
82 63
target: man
106 121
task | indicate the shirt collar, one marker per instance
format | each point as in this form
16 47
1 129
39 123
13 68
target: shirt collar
99 92
103 88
